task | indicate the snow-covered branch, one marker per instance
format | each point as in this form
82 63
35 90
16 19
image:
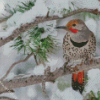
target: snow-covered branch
27 26
48 77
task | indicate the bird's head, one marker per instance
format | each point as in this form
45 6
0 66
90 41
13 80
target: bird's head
74 26
78 30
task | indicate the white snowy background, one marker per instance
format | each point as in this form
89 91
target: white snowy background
9 55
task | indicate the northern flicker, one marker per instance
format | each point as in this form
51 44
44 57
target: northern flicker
79 43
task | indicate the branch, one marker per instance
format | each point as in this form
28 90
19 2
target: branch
33 79
93 11
14 65
38 20
6 98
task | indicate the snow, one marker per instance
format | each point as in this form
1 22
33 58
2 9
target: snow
92 4
8 56
94 81
10 76
22 18
25 37
67 94
31 92
1 6
54 4
32 45
10 95
7 32
54 63
39 70
93 73
14 3
56 7
8 50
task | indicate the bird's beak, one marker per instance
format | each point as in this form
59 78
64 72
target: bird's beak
61 27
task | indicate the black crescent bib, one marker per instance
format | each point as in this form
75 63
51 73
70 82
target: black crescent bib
78 44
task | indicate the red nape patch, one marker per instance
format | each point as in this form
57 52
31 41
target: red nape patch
73 30
81 77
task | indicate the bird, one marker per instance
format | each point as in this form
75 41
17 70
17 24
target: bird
79 43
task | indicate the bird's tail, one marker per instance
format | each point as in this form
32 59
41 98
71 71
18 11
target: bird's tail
78 81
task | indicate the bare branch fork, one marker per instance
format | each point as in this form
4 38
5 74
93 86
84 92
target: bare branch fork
27 26
48 77
14 65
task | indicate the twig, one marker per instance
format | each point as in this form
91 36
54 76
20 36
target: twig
14 65
46 72
35 59
47 14
38 20
93 11
4 19
43 89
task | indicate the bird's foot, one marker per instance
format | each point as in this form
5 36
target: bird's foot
88 61
74 69
91 61
81 64
70 69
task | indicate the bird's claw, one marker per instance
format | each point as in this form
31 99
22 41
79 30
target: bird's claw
91 61
88 61
70 69
74 69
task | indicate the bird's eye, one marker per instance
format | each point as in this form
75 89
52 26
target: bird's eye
74 24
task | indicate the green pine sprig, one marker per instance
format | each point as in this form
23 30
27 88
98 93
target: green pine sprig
92 96
41 47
